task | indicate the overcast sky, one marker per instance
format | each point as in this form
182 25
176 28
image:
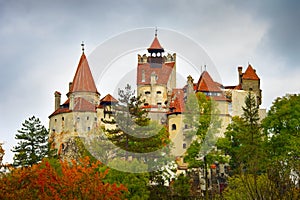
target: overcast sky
40 45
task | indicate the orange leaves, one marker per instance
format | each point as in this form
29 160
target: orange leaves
52 179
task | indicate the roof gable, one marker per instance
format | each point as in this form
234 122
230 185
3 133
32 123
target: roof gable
108 98
250 74
80 104
83 80
177 102
207 84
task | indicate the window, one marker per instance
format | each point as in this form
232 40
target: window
87 118
95 119
53 130
184 145
55 120
63 119
147 92
143 75
173 127
159 103
146 104
158 92
89 128
185 126
78 118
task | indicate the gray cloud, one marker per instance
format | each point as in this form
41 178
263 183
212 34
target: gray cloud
40 43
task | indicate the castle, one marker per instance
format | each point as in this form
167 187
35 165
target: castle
84 110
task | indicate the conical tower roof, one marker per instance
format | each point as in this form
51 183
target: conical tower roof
207 84
155 46
250 74
83 80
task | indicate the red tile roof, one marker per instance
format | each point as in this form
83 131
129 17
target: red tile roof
83 80
234 87
163 73
177 103
59 111
155 45
80 104
250 74
206 83
108 98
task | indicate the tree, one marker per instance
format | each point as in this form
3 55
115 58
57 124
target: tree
181 187
136 183
33 143
243 139
53 179
282 130
1 154
202 119
139 137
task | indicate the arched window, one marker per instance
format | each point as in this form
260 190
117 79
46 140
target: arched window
173 127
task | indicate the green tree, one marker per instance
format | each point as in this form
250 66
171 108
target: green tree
282 130
243 139
138 135
203 124
244 143
136 183
33 143
181 187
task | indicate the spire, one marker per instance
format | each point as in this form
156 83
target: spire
155 47
83 80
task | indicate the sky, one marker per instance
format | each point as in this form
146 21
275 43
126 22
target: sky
40 45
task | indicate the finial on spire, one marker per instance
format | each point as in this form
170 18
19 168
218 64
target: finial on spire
155 31
82 46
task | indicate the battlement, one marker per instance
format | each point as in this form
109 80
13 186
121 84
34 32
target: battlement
166 58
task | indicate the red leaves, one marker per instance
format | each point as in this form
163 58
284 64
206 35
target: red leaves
63 180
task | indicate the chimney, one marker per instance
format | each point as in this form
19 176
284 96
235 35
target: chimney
70 86
57 96
240 69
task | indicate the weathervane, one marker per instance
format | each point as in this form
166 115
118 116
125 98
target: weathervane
155 31
82 45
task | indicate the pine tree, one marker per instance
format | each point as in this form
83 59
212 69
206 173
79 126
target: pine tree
138 134
33 143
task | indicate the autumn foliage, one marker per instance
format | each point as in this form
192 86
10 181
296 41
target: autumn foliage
59 180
